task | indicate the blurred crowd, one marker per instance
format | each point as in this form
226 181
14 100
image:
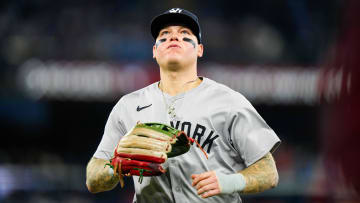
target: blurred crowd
295 32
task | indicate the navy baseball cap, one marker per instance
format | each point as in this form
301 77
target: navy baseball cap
176 16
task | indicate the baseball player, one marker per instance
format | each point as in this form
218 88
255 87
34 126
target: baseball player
237 140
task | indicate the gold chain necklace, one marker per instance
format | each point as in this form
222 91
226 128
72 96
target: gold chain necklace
170 108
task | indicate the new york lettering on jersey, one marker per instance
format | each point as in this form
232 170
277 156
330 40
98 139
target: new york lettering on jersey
200 132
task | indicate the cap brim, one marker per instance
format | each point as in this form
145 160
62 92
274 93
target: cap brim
163 20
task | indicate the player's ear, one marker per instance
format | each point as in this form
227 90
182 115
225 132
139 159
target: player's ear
200 50
154 50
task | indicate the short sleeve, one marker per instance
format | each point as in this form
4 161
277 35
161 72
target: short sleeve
250 134
114 130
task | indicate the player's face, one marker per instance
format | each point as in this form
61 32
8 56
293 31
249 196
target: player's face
176 45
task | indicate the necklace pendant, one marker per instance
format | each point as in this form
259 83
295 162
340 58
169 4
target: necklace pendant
172 113
171 110
173 117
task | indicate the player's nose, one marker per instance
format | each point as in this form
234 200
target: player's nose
174 37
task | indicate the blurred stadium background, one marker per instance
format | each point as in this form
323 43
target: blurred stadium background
64 64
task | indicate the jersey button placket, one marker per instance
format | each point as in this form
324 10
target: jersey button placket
176 182
178 193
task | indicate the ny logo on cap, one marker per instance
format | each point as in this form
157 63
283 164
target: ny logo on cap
175 10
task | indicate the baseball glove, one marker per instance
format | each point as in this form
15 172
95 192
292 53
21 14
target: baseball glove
144 148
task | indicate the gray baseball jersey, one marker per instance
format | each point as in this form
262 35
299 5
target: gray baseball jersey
224 123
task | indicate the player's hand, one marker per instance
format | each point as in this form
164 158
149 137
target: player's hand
206 184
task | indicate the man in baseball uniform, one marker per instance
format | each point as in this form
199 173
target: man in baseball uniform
237 140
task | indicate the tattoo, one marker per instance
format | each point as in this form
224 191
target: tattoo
159 42
190 41
98 178
260 176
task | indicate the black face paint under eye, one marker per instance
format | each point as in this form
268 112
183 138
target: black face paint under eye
189 40
159 42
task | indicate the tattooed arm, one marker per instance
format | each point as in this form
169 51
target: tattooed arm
260 176
98 177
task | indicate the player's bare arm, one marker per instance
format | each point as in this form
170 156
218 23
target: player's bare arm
261 176
98 177
258 177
